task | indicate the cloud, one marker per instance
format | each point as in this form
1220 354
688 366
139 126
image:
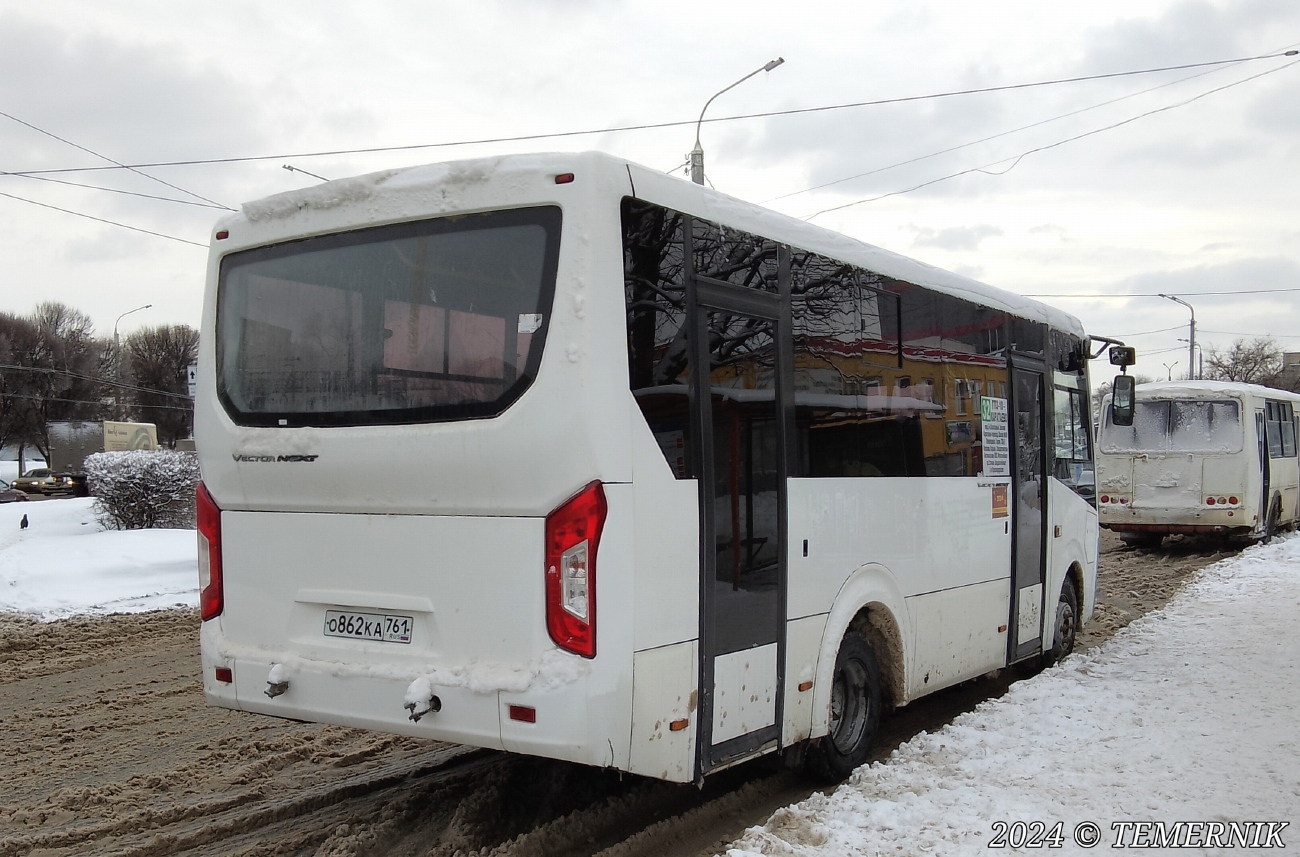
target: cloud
955 237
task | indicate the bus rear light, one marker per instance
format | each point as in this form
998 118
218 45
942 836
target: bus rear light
225 675
1232 501
208 519
1222 501
1105 498
564 178
1209 501
572 539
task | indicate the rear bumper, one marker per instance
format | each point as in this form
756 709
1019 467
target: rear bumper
473 703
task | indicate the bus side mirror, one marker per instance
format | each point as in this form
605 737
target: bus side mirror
1121 400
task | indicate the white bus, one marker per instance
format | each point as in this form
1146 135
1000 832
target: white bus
560 455
1201 457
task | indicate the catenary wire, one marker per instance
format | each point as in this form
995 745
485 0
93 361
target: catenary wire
119 191
103 220
92 378
1017 158
658 125
113 161
992 137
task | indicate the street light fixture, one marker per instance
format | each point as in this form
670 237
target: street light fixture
1169 370
1191 340
697 154
117 359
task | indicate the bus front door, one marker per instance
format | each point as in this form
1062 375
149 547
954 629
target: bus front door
1030 515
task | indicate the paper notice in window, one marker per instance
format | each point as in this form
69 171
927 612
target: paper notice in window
529 322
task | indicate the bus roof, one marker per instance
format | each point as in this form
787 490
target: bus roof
1208 389
412 188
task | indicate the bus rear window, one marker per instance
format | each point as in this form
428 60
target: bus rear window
1176 426
416 322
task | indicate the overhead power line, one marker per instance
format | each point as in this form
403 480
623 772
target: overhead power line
48 370
122 192
103 220
1016 159
110 160
654 125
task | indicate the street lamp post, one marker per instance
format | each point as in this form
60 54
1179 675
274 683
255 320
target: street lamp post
1169 370
697 154
1200 358
117 360
1191 335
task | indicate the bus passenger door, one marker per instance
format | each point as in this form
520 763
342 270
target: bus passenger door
1261 440
739 418
1030 517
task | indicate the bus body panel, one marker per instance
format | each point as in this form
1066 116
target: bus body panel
932 533
970 641
480 648
664 712
1073 543
667 608
524 461
803 645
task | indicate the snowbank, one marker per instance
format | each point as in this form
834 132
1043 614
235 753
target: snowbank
63 564
1186 715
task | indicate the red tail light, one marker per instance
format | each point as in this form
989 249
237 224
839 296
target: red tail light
572 538
211 596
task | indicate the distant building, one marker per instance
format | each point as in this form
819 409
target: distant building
1290 377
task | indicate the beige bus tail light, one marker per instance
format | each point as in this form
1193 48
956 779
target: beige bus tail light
572 539
211 596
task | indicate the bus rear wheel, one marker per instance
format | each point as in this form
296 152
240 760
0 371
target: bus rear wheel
1149 541
856 702
1271 522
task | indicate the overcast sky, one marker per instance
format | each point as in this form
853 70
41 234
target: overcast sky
1199 196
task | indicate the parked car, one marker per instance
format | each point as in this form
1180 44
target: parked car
42 480
10 494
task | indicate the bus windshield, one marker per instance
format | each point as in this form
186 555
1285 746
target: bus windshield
435 320
1177 426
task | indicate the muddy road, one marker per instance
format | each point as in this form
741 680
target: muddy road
107 748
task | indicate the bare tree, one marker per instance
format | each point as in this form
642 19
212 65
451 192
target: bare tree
159 358
1258 361
53 362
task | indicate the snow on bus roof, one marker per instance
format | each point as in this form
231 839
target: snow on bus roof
1184 389
417 182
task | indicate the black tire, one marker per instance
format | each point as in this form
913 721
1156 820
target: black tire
1270 523
1150 541
856 702
1067 626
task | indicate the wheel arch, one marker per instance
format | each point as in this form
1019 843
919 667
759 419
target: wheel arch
870 604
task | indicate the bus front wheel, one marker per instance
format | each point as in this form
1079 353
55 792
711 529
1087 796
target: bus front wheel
1067 625
856 702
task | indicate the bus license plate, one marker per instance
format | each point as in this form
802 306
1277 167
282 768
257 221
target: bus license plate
384 627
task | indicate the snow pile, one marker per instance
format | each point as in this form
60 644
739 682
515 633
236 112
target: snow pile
323 196
62 564
1186 715
552 670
